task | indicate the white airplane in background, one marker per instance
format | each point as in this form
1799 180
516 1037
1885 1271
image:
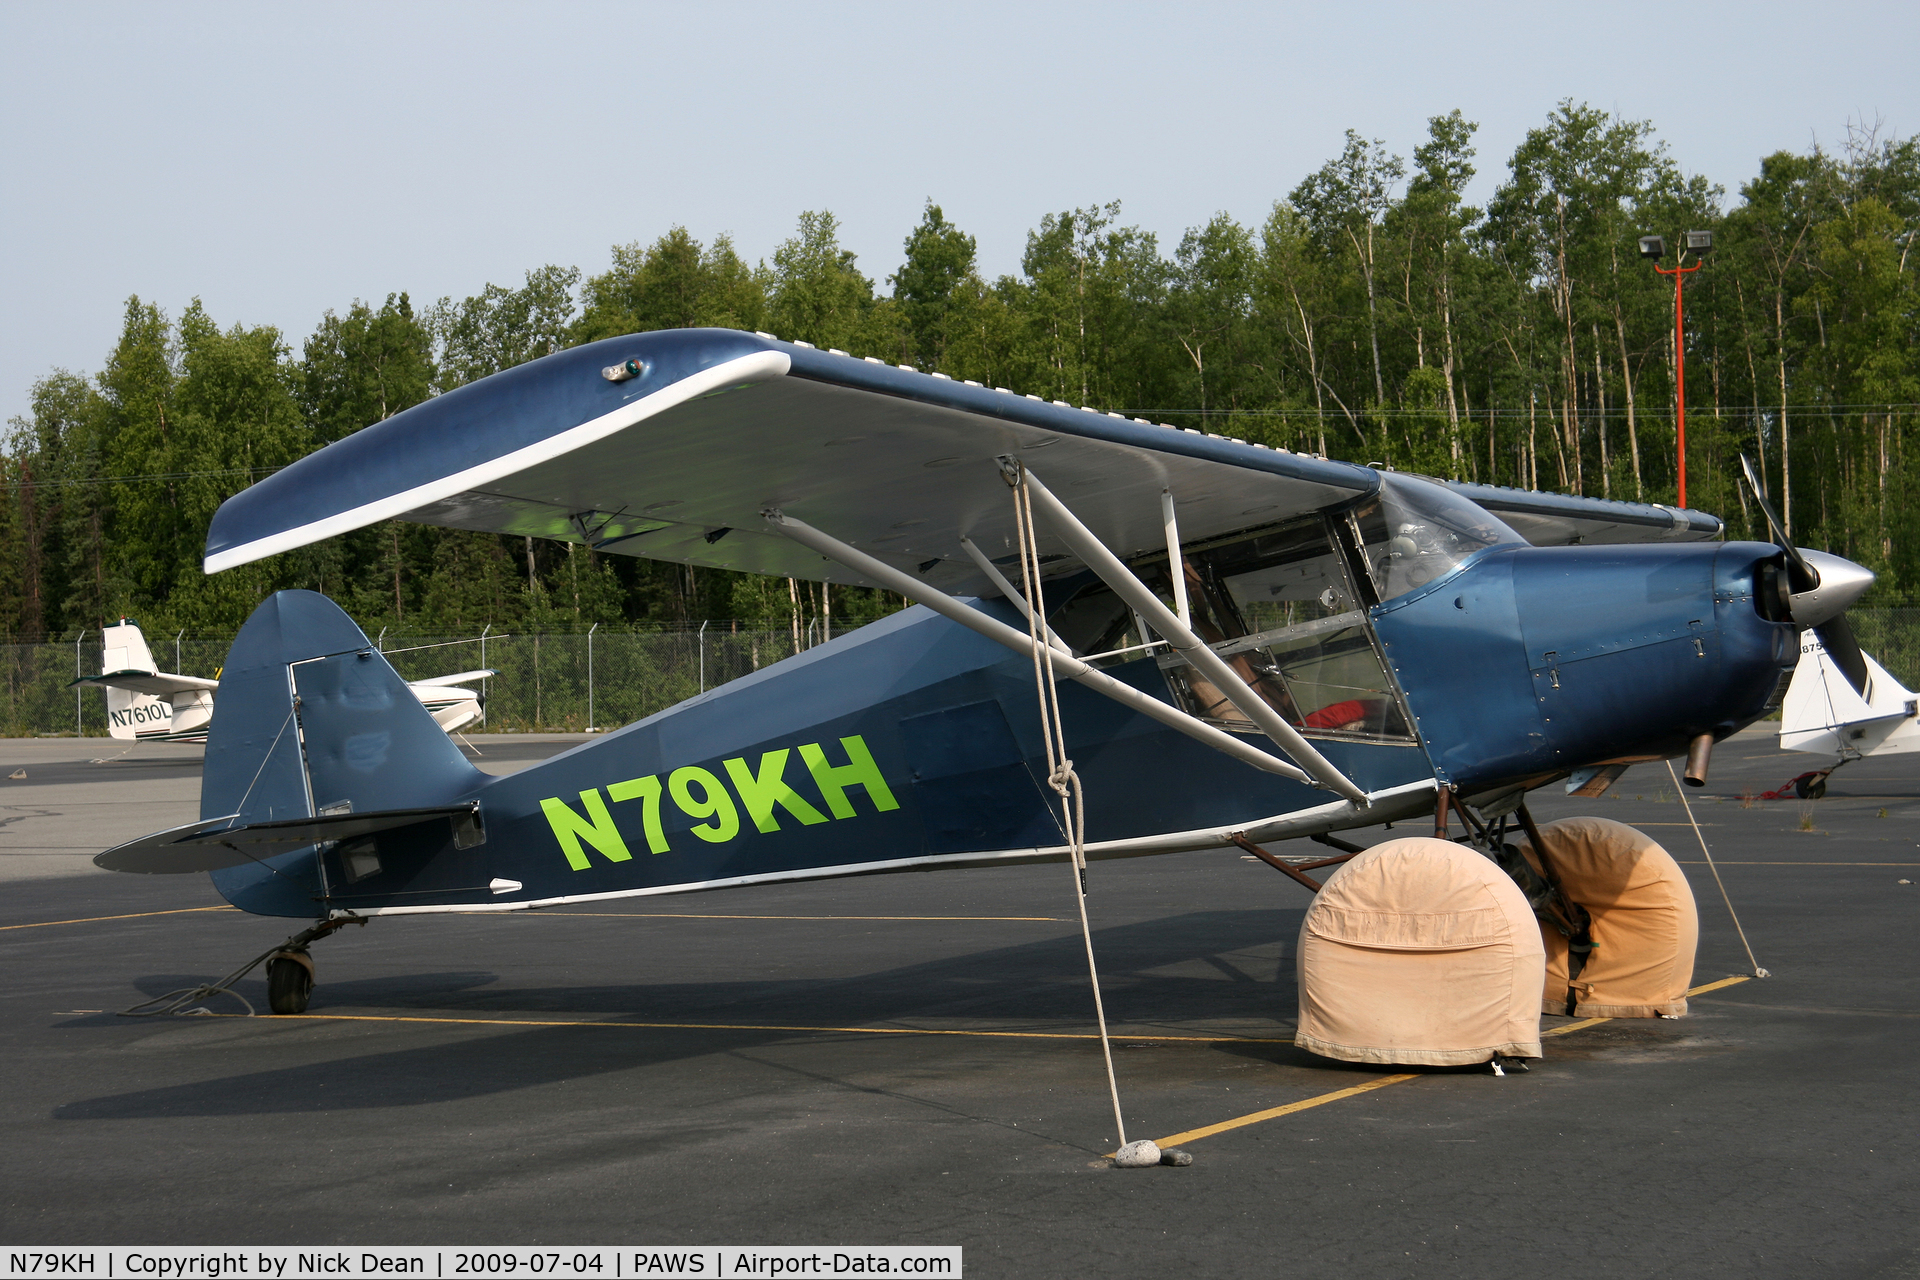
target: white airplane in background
146 704
1829 713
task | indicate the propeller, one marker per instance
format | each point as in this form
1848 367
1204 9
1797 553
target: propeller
1819 600
1802 576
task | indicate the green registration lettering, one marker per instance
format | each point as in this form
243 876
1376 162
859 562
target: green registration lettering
597 829
648 790
714 803
860 770
769 788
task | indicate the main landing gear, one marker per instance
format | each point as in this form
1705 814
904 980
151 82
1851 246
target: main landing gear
289 978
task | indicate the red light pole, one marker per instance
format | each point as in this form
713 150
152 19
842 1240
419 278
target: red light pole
1655 247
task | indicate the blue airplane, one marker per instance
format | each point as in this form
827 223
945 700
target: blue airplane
1237 644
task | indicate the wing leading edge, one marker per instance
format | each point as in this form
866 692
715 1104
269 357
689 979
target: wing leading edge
1558 519
678 463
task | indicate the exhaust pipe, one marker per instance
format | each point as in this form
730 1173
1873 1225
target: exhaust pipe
1699 756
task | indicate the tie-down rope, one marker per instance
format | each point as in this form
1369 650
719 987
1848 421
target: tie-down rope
186 1000
1758 972
1060 774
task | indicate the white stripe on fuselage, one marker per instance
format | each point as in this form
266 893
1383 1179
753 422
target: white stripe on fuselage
1391 805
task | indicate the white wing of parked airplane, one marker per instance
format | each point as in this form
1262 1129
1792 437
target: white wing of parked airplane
460 677
159 684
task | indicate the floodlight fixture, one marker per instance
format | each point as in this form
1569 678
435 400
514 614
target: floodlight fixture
1654 247
1699 242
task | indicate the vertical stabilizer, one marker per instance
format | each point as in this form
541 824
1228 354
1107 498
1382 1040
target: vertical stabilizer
1823 714
124 649
356 741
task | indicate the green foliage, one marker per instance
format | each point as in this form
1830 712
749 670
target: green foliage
672 284
502 327
1093 297
1372 315
940 260
363 367
51 461
816 294
1210 313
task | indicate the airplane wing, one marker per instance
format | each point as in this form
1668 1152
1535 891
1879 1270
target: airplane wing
1559 520
159 684
460 677
678 461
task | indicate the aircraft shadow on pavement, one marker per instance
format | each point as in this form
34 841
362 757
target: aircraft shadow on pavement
1180 976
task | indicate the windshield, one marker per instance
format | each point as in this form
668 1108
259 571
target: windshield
1417 530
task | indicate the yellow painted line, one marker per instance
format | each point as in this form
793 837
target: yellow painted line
737 1026
692 915
1194 1135
43 924
1274 1113
1594 1022
1699 862
1574 1026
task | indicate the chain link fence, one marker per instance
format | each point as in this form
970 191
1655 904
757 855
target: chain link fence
552 682
571 682
1892 638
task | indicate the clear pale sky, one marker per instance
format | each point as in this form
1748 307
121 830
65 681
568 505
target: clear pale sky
278 160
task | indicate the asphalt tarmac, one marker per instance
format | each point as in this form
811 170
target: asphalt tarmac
908 1060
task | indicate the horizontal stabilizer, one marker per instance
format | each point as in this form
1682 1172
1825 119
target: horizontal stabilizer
159 684
214 843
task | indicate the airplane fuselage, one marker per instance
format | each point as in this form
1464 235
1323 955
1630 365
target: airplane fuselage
915 743
1534 661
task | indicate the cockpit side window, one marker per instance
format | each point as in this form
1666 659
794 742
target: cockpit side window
1094 620
1279 607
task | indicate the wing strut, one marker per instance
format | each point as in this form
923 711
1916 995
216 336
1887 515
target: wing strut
1176 567
1064 662
1007 589
1094 554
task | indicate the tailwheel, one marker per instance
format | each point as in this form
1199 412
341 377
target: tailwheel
289 977
289 981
